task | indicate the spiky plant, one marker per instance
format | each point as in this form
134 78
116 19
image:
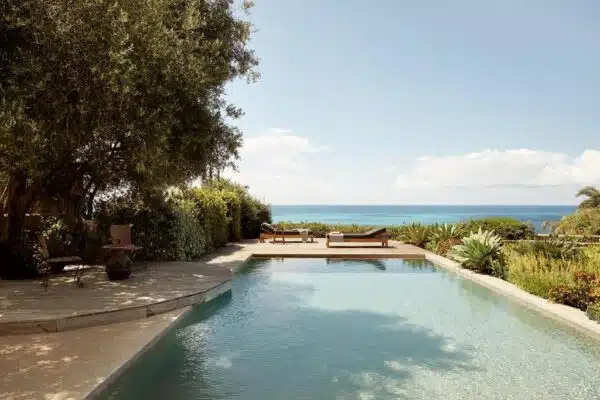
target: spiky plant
481 252
443 238
415 233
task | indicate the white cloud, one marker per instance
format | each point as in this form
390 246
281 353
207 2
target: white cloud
521 168
284 152
276 165
279 130
289 145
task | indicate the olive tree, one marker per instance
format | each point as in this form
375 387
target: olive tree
101 94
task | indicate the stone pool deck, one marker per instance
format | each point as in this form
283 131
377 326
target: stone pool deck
88 346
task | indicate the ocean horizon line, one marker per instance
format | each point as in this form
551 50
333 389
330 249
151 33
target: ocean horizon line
422 205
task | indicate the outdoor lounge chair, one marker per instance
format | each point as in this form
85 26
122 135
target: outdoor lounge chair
268 231
50 263
378 235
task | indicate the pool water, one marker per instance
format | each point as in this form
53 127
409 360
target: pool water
363 329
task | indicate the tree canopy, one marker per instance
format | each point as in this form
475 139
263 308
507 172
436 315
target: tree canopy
99 94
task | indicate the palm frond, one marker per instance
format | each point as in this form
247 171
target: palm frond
589 191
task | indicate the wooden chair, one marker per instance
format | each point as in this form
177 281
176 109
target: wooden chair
121 243
49 262
120 235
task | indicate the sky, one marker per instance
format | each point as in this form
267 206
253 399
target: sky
421 102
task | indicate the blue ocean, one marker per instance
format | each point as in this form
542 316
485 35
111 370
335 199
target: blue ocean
397 215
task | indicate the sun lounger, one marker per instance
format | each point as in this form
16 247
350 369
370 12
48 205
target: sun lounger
378 235
268 231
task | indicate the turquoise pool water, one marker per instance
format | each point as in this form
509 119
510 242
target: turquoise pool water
363 329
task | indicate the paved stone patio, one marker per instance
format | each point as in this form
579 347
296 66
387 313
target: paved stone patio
26 307
69 365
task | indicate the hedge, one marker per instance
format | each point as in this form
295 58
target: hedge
234 214
253 211
507 228
158 225
211 211
186 224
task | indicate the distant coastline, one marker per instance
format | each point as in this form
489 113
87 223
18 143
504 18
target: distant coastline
426 214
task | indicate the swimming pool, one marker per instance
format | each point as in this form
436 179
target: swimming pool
363 329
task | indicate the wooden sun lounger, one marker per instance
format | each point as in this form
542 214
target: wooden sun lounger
269 232
373 236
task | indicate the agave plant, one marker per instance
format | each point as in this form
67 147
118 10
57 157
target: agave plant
443 238
481 252
415 233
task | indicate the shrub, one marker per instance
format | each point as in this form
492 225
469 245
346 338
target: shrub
537 274
416 234
154 224
552 247
481 252
91 251
21 263
234 214
211 211
593 311
167 229
320 229
582 222
505 227
584 291
253 212
574 295
443 238
58 238
190 236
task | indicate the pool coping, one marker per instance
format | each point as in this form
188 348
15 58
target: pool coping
115 315
119 370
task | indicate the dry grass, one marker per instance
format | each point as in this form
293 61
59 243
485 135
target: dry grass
538 274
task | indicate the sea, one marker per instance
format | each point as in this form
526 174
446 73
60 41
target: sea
381 215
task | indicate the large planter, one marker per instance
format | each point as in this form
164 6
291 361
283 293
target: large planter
118 267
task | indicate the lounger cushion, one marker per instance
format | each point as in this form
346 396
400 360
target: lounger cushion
293 232
268 228
365 235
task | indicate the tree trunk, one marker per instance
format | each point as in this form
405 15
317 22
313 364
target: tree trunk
16 218
89 209
18 202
